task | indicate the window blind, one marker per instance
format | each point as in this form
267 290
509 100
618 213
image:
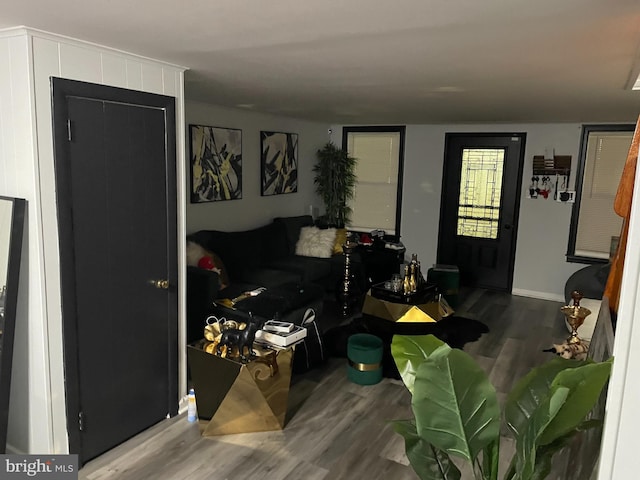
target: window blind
375 198
597 222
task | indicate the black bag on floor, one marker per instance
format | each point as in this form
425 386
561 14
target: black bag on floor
310 353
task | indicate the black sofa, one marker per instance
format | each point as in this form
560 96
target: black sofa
260 257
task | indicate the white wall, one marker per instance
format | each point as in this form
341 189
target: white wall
37 409
6 216
18 165
543 230
254 210
619 452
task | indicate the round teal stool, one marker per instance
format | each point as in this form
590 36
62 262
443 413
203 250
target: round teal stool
364 352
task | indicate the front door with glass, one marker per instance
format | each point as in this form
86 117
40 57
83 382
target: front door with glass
479 208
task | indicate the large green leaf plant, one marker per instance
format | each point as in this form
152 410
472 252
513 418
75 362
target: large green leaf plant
456 411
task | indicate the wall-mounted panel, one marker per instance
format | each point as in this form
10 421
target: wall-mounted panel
46 57
6 133
79 63
17 166
170 81
152 78
134 75
21 117
46 63
114 70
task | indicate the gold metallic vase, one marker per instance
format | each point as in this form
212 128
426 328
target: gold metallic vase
575 315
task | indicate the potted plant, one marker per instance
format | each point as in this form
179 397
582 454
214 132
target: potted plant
335 182
456 412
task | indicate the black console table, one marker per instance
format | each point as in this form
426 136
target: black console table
379 262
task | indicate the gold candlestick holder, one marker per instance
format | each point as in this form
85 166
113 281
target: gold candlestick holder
575 315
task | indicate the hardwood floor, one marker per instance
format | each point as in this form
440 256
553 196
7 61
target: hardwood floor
337 429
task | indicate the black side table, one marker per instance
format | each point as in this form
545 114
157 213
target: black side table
379 262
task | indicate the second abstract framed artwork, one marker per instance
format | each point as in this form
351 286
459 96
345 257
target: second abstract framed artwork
216 163
278 162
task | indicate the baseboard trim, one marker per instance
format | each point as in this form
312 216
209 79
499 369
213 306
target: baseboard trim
535 294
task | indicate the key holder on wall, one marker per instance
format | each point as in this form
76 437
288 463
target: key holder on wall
546 167
544 170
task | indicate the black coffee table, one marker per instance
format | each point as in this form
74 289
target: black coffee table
288 301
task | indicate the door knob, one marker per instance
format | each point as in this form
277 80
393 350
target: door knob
163 284
507 227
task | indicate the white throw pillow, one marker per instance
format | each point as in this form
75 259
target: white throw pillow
316 242
194 253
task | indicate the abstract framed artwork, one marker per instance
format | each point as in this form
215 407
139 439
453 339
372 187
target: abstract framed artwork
216 163
279 163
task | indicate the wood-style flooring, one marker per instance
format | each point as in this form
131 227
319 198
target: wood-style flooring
337 429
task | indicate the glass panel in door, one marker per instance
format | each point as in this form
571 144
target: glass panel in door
480 192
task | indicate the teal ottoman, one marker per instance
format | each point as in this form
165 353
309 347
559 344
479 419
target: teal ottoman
447 278
364 352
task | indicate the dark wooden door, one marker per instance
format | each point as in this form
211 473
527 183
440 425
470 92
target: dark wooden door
479 207
116 190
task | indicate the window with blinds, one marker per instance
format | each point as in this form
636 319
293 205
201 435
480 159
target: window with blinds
595 225
379 153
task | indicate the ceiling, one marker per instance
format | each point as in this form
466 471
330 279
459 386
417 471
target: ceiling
374 61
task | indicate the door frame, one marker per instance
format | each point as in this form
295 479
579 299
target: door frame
60 90
449 137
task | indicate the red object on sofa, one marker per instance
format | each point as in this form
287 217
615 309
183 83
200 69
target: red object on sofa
206 263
